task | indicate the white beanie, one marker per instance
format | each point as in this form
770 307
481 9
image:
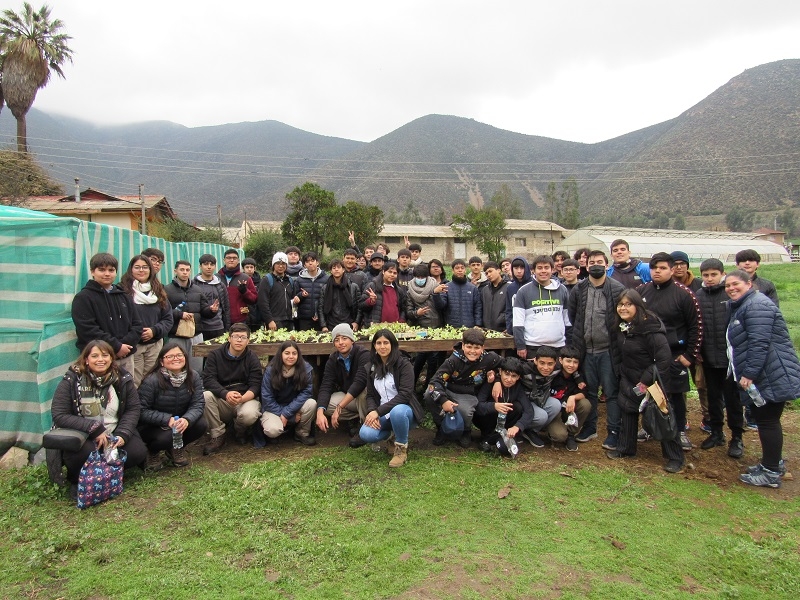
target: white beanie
343 329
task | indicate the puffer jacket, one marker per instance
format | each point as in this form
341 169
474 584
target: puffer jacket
307 309
762 350
715 308
462 305
189 299
160 403
578 299
461 375
642 348
417 297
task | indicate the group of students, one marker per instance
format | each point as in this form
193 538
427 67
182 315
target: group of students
572 340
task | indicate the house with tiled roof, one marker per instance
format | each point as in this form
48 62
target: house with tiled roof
99 207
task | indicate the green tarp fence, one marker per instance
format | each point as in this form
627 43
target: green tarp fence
44 262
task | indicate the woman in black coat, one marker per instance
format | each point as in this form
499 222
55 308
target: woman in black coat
98 397
391 403
766 369
171 396
645 356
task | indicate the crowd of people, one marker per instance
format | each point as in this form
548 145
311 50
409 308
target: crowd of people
586 331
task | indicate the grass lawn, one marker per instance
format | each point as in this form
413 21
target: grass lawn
331 522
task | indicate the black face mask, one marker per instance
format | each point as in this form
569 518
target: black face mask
596 271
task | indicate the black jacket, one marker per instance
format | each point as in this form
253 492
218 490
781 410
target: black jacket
642 349
339 311
189 299
159 403
677 308
275 295
338 379
105 315
224 373
578 298
65 408
494 305
155 317
463 376
714 306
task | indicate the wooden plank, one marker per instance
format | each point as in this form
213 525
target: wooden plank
324 348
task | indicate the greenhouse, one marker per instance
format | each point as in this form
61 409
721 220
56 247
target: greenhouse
699 245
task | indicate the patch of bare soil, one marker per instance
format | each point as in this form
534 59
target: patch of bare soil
713 466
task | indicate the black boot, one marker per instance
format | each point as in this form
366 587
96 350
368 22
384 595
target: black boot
717 438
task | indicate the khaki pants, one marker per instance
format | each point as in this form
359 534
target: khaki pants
273 427
357 409
144 360
558 430
218 412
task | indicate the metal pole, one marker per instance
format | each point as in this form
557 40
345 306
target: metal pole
77 191
144 212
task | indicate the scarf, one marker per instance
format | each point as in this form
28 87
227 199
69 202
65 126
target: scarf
96 386
420 295
143 293
287 373
176 379
339 289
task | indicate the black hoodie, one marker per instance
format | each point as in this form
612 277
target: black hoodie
105 315
641 348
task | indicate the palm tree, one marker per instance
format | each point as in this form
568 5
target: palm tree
31 46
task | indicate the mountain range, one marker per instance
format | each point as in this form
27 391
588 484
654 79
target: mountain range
738 146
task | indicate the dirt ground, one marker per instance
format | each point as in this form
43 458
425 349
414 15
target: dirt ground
713 466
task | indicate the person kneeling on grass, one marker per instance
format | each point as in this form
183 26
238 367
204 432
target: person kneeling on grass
566 387
512 402
171 396
391 404
455 384
286 396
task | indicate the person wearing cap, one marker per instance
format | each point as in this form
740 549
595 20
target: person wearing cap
681 272
218 299
277 295
241 289
333 401
374 267
383 300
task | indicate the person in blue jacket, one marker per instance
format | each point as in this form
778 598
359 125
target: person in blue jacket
765 366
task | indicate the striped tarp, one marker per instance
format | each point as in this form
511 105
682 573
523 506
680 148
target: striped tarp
44 262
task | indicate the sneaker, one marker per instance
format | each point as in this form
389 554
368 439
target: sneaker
534 440
610 442
486 446
717 438
154 462
615 454
215 445
178 457
759 467
704 426
585 436
752 425
571 444
736 448
685 443
306 440
356 442
762 478
465 440
643 436
674 466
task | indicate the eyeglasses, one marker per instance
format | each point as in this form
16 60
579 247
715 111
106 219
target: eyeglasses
624 305
178 356
140 268
156 260
239 338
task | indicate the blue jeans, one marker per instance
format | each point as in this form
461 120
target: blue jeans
543 416
597 371
400 420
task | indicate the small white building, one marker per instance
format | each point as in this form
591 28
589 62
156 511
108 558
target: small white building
699 245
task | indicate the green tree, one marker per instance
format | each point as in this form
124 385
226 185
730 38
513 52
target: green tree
366 222
551 203
21 176
680 222
661 221
739 218
175 230
570 204
506 202
486 227
262 245
787 221
309 218
31 47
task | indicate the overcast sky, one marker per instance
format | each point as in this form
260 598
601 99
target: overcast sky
576 70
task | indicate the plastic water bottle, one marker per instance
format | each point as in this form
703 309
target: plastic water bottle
177 436
755 395
501 422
